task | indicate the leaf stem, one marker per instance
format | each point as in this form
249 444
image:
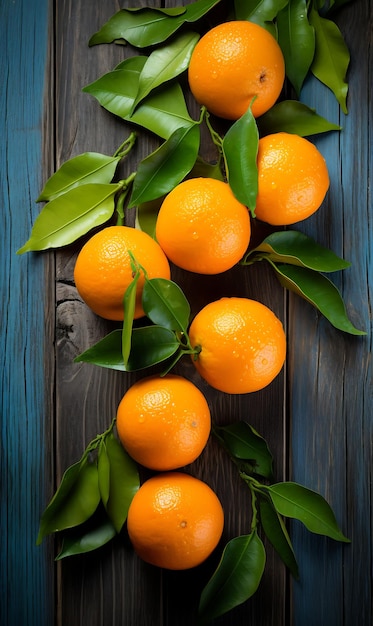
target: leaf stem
216 138
96 441
129 143
125 183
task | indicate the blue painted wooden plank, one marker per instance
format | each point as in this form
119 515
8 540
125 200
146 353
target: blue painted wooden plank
26 586
331 396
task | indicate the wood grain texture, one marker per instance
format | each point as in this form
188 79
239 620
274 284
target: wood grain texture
27 312
52 408
330 373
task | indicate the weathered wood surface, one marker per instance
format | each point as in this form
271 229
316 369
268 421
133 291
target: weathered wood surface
27 324
317 416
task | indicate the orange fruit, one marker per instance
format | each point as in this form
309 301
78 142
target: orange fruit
292 179
103 269
202 227
242 344
164 422
231 64
175 521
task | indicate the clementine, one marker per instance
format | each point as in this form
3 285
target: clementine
242 344
202 227
292 179
103 268
164 422
233 63
175 521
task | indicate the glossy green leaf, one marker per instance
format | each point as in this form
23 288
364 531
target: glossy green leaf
240 149
291 116
105 353
199 8
275 530
331 58
262 12
149 345
75 500
296 37
165 304
146 215
94 534
244 443
71 216
236 578
103 468
165 63
296 248
90 167
165 168
162 112
146 27
129 305
124 481
206 170
141 28
319 291
298 502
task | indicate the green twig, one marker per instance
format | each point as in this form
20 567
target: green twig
126 146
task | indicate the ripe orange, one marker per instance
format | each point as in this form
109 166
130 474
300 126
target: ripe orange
175 521
243 344
163 422
202 227
103 269
231 64
292 179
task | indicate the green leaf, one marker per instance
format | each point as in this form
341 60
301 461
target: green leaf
165 168
129 304
75 500
236 578
141 28
196 10
165 63
276 532
147 214
162 112
124 481
298 502
90 167
71 216
295 248
94 534
291 116
149 345
262 12
146 27
319 291
103 468
105 353
240 149
204 169
244 443
165 304
332 57
296 37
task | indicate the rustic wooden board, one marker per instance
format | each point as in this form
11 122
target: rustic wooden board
316 416
27 323
331 393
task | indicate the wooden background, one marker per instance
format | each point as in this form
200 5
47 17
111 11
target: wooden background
316 416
